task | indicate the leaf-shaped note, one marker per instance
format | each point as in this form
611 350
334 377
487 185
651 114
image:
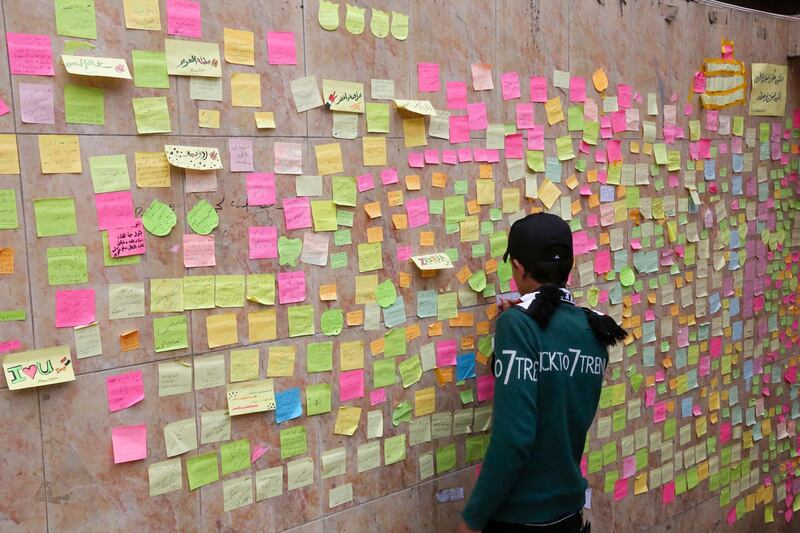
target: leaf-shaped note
159 219
399 26
385 293
354 19
289 251
328 15
332 321
203 218
379 24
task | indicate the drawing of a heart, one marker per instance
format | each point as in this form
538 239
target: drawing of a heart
29 371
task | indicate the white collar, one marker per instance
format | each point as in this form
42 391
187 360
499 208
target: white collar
526 299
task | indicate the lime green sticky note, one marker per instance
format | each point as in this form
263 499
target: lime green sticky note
447 305
170 333
150 69
151 114
202 470
445 458
159 219
301 320
71 46
535 159
235 456
344 191
564 148
318 399
261 288
466 396
475 448
332 321
627 276
76 18
410 371
590 132
385 293
377 117
394 449
202 218
84 105
320 357
477 281
8 209
109 260
198 292
370 257
324 214
109 173
339 260
383 373
289 250
55 216
229 291
67 266
454 209
12 315
575 118
294 442
401 413
394 342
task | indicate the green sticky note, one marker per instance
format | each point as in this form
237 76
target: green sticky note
109 173
261 288
370 257
76 18
318 399
332 321
159 219
12 315
109 260
301 320
447 305
383 373
454 209
202 470
150 69
289 250
294 442
55 216
394 449
152 115
170 333
339 260
8 209
320 357
410 371
466 396
385 293
477 281
323 212
84 105
235 456
475 448
445 458
342 237
627 276
203 218
535 159
229 291
564 148
198 292
401 413
590 132
67 266
394 342
344 191
575 118
498 243
377 118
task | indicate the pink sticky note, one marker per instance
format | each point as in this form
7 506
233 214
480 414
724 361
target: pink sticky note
536 138
538 89
704 149
124 242
129 443
260 188
36 103
389 176
403 253
614 149
485 387
602 262
446 353
577 89
351 385
428 77
280 48
114 210
416 160
297 212
624 95
3 107
668 492
377 396
30 54
449 157
258 452
482 77
477 116
464 155
183 18
459 129
263 242
524 116
417 211
628 466
74 308
699 85
513 146
509 81
291 287
241 154
456 94
124 390
198 250
365 182
431 156
620 489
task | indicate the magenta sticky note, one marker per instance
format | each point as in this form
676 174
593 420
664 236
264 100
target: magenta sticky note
449 157
428 77
485 387
30 54
389 176
183 18
620 489
624 95
416 160
614 149
524 116
577 89
263 242
509 82
404 253
446 353
536 138
297 212
198 250
291 287
74 308
124 242
628 466
538 85
36 103
240 150
129 443
513 146
699 85
281 48
417 211
704 149
459 129
456 94
258 452
431 156
114 210
477 116
377 396
602 262
3 107
464 155
9 346
351 385
365 182
260 188
124 390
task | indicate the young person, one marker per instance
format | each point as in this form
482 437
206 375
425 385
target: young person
549 360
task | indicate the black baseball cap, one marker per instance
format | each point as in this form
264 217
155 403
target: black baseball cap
539 237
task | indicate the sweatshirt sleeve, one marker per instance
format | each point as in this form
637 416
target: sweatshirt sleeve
514 420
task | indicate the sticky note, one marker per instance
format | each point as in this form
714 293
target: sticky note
129 443
30 54
54 216
84 105
281 48
239 46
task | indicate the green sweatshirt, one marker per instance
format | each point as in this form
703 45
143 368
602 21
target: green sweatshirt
547 386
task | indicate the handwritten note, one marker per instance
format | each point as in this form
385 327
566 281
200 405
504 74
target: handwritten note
124 390
104 67
37 368
768 93
183 18
129 443
281 48
192 58
30 54
194 157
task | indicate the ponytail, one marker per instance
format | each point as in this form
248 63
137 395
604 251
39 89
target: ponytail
604 327
542 308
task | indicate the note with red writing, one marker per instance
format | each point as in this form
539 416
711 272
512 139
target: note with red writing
74 308
124 242
30 54
280 48
291 287
124 390
129 443
183 18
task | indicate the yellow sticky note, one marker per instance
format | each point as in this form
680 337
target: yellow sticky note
265 119
208 118
262 326
142 15
281 361
244 365
329 158
53 365
9 155
424 401
600 80
60 154
239 47
548 193
414 132
245 89
152 170
347 420
374 149
222 329
554 112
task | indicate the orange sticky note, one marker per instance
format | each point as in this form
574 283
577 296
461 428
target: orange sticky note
373 209
404 280
427 238
435 329
412 182
599 80
464 274
376 347
129 341
394 198
439 180
400 221
412 332
6 260
262 326
355 318
374 234
327 292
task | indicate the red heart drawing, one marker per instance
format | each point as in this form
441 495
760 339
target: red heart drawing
30 371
